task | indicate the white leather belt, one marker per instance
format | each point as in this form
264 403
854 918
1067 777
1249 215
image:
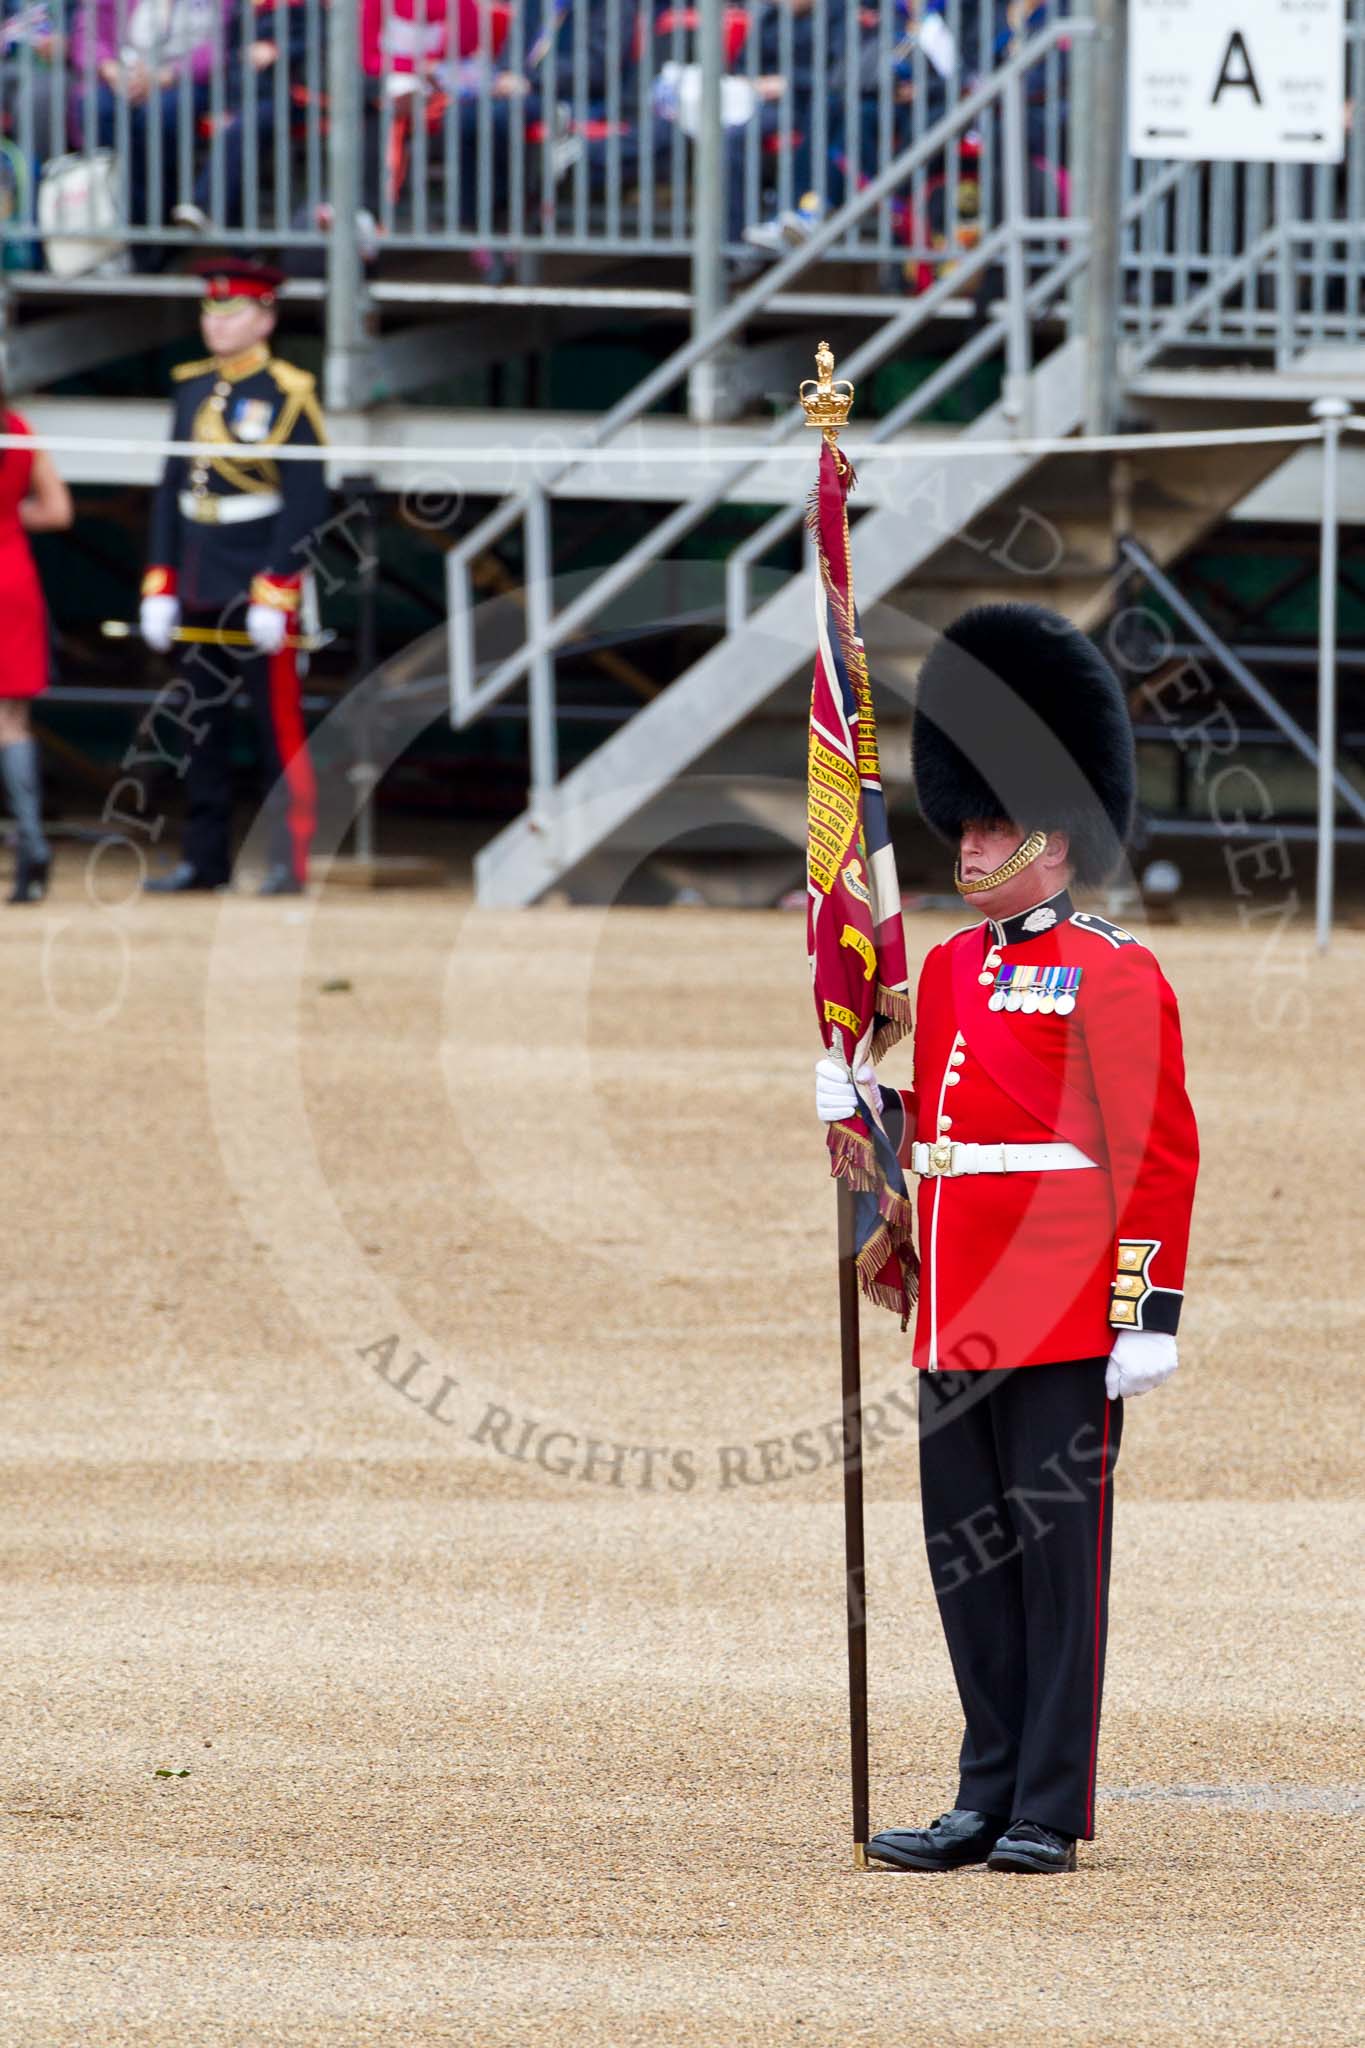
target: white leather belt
946 1158
207 510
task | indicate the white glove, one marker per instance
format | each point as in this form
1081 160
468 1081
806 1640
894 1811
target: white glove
158 618
267 627
834 1096
1139 1361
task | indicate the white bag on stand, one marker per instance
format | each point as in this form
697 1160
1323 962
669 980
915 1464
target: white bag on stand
79 217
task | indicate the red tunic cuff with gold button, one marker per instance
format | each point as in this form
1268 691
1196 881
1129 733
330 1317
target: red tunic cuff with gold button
281 592
159 581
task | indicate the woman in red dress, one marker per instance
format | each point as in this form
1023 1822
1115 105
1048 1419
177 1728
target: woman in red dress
33 499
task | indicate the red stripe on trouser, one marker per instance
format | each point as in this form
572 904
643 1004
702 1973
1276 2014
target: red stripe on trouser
291 741
1099 1613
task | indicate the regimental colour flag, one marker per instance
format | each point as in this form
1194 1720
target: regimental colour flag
854 934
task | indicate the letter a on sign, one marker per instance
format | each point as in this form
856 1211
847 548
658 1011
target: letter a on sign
1244 81
1237 55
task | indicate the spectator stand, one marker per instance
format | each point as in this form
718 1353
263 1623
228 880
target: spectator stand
922 179
412 155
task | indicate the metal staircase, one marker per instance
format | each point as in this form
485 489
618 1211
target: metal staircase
759 654
909 555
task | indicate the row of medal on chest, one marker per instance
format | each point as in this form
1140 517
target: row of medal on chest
1035 991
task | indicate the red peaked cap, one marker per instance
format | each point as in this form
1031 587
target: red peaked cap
227 277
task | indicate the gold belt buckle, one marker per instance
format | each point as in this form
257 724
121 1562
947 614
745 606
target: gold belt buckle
941 1156
207 513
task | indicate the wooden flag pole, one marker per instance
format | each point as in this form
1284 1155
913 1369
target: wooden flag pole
854 1568
826 403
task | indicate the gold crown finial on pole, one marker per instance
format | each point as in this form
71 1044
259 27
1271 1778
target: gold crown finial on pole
825 398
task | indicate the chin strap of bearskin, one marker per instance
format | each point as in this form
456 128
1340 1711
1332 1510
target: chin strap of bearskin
1007 870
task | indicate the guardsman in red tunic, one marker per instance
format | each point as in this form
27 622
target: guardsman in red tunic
229 538
1056 1151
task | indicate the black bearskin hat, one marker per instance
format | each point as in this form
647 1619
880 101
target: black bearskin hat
1018 716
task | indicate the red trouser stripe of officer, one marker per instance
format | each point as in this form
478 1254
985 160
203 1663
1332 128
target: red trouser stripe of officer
1099 1615
291 741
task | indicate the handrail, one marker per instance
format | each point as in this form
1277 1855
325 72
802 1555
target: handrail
1180 318
1238 670
469 700
978 349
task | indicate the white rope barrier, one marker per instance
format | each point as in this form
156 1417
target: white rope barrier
431 458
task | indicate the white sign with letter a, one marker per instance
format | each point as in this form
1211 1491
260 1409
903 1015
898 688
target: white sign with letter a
1260 81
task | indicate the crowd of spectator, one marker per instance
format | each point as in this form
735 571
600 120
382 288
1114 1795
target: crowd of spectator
179 103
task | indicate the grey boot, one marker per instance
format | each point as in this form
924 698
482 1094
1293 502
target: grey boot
19 766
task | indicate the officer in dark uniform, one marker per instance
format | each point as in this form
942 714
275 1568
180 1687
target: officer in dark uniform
228 540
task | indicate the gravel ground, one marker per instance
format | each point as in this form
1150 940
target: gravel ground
410 1313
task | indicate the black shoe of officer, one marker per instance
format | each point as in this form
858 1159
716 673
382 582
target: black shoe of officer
179 881
1027 1846
30 877
280 881
950 1843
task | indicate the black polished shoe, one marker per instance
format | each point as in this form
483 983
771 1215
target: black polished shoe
181 880
280 881
949 1843
1027 1846
30 877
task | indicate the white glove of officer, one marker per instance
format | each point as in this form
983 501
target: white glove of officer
158 618
834 1096
267 627
1139 1361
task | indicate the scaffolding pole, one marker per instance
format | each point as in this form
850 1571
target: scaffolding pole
1103 147
1331 412
346 371
704 387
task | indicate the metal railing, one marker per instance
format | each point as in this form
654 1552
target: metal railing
509 125
133 123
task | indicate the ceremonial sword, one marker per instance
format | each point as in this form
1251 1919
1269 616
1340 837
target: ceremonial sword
217 636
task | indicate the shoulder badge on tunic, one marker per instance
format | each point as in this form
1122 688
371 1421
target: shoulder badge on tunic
290 377
1116 935
300 398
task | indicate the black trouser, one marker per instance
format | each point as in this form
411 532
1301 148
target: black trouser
220 678
1016 1473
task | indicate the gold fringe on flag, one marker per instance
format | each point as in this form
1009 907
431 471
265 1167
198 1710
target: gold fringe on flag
894 1007
874 1256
